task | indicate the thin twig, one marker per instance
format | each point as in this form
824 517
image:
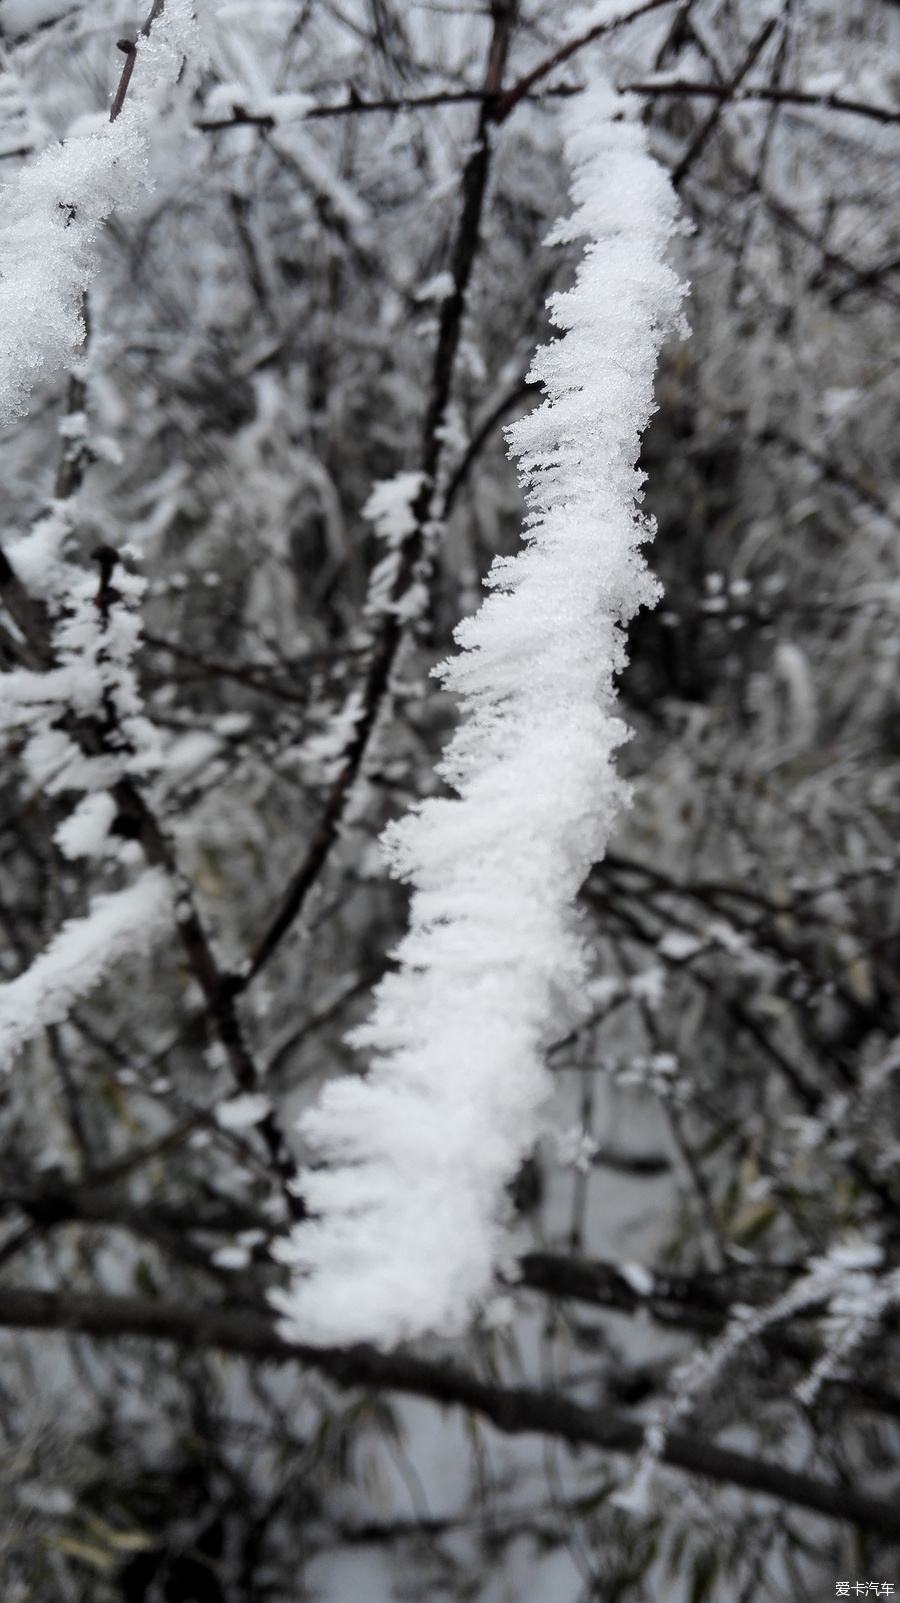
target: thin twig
701 137
543 69
765 92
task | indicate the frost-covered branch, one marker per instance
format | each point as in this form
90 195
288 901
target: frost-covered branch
855 1298
419 1152
570 48
76 702
51 216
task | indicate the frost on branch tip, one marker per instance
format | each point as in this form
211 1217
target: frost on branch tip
409 1218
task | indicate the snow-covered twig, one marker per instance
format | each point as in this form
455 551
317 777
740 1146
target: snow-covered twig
77 959
855 1297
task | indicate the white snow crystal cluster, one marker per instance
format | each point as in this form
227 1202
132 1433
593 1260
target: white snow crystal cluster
91 678
409 1217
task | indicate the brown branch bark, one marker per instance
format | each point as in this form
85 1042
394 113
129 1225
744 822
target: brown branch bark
558 58
353 107
242 118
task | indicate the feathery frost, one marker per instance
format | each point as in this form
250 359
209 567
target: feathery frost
409 1217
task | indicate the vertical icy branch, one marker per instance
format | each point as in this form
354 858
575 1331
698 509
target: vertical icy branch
409 1217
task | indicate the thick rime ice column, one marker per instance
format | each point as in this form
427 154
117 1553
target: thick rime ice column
409 1205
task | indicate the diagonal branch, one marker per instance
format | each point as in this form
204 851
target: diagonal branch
130 50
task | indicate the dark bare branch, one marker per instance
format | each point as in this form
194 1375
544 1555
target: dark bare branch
514 1410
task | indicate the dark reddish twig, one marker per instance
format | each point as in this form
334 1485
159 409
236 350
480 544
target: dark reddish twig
508 101
353 107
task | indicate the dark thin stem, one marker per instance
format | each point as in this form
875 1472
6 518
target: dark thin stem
354 107
253 677
508 399
862 278
510 100
241 118
392 628
219 991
